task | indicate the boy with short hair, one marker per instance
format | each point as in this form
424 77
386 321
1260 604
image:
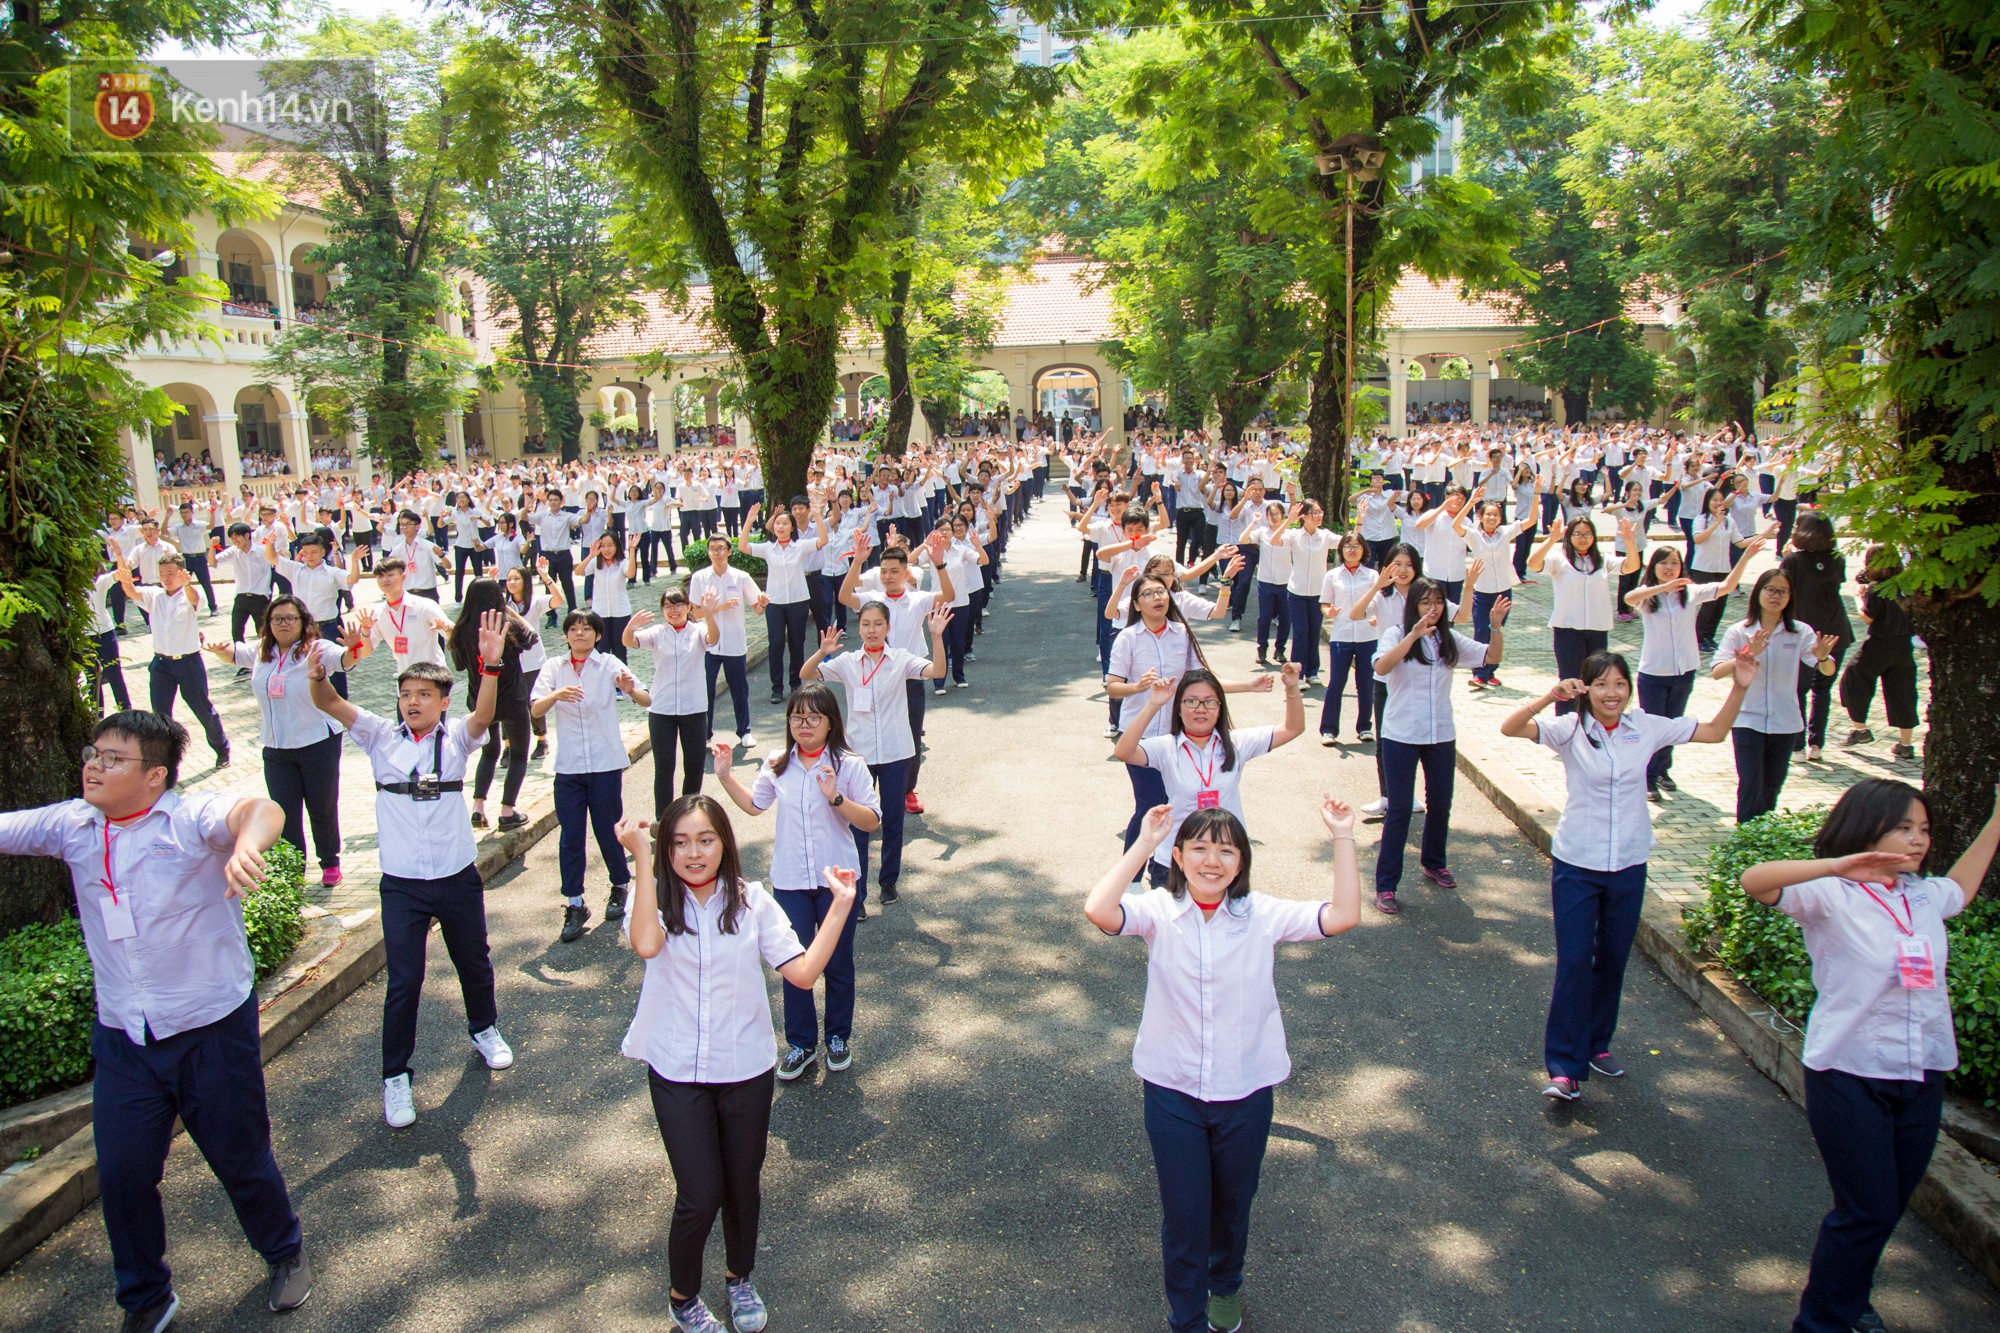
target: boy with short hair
428 857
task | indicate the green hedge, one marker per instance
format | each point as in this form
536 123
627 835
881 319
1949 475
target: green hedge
1766 951
46 1000
695 556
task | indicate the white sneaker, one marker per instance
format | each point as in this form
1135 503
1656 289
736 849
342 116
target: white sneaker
1377 807
398 1107
1417 806
493 1048
747 740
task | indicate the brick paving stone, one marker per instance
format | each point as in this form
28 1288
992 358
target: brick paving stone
371 685
1691 820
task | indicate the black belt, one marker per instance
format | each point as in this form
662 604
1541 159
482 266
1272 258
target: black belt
410 788
175 657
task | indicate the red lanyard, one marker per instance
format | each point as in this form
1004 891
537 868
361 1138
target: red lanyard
1207 776
109 886
868 677
1907 923
395 619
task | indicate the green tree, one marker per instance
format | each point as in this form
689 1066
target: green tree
1205 300
1902 339
78 233
542 231
1697 147
766 140
1273 93
389 183
1579 271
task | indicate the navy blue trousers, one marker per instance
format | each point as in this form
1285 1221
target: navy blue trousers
892 784
212 1077
1596 915
1208 1156
805 909
735 671
1399 787
1664 696
1876 1136
599 799
458 904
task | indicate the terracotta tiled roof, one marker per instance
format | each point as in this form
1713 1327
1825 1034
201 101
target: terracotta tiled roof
1055 303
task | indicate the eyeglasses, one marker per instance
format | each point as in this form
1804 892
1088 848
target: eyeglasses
110 763
1154 592
284 620
1201 705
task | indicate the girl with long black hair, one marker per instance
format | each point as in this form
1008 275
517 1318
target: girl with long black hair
703 1027
510 713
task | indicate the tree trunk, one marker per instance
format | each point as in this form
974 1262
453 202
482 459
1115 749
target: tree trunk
1576 404
1962 637
936 416
1323 474
44 728
896 367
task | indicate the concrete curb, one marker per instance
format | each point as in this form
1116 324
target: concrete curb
1958 1198
39 1198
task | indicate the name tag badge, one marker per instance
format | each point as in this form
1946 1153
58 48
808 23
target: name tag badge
860 700
275 686
1207 800
1914 965
118 916
402 646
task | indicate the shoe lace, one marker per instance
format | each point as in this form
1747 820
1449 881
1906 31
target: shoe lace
742 1295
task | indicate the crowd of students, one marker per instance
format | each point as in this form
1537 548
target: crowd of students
910 552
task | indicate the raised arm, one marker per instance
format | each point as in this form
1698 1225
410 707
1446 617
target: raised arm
1102 905
1160 694
1294 725
721 752
1342 909
324 696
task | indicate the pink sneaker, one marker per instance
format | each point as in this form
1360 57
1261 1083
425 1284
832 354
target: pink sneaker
330 876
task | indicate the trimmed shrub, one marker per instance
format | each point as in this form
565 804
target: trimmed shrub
1766 951
47 1004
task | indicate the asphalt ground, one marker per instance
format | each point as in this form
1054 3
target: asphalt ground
983 1166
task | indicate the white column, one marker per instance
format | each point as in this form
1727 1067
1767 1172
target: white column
357 437
220 430
1111 408
1482 397
666 413
587 436
297 432
145 469
1399 396
745 432
454 434
282 298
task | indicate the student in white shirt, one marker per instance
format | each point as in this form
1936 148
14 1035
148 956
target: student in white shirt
1581 586
1200 760
177 668
1416 728
531 608
787 600
1771 720
822 792
1486 542
301 744
1601 846
1669 656
734 592
107 669
429 870
1350 643
191 539
158 876
1211 1045
1274 573
1309 545
875 681
510 725
909 611
252 575
318 582
677 716
411 629
1880 1039
608 572
582 687
703 1027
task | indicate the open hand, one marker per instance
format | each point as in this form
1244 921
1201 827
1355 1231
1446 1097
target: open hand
829 640
1497 616
244 871
1337 815
721 752
1870 867
829 785
492 637
1153 828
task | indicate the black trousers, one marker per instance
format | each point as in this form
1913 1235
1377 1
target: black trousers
458 904
1876 1136
685 736
197 568
305 782
212 1077
1897 673
716 1135
110 671
785 628
187 677
514 733
1572 647
1708 616
562 569
1762 761
248 609
1816 698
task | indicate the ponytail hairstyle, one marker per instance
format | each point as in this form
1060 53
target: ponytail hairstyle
672 893
1413 611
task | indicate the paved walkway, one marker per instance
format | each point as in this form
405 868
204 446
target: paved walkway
1689 821
372 685
983 1165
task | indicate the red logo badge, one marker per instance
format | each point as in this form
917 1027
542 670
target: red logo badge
124 105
